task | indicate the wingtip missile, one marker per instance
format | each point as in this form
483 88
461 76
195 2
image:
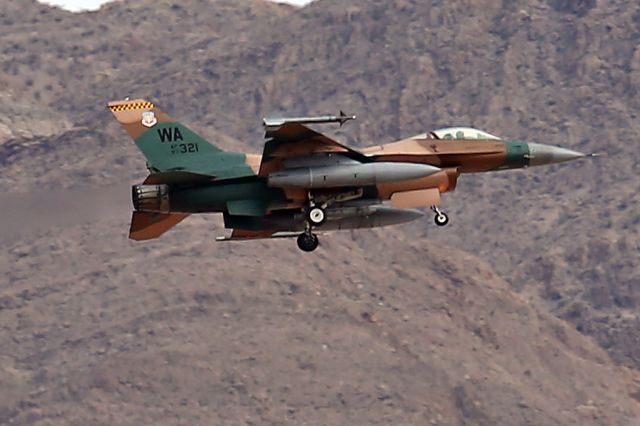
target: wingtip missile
345 117
274 122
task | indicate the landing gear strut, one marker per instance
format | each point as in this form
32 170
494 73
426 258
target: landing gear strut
315 215
441 218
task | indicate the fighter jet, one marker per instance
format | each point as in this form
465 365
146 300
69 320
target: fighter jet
304 182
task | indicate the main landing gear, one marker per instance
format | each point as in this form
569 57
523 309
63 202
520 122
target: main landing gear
315 216
441 218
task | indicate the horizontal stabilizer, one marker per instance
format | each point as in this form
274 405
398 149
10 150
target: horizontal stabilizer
147 226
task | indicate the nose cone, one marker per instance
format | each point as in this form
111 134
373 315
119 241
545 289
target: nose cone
540 154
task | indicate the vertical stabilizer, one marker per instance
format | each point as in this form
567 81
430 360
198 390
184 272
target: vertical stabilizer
169 145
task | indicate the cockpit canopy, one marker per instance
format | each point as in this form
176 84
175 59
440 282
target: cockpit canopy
457 133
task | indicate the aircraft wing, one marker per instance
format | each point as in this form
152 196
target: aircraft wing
292 140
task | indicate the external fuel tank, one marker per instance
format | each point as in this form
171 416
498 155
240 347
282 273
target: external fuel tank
349 175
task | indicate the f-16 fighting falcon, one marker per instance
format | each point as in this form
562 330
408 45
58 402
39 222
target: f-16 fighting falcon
305 182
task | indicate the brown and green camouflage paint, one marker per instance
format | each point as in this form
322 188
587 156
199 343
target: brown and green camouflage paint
177 155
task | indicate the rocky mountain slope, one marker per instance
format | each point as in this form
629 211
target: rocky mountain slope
399 325
180 332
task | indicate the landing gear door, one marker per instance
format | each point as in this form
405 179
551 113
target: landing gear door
415 199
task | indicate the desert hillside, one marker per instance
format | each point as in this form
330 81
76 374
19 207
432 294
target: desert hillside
524 310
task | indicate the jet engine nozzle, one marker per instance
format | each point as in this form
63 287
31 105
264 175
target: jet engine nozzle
151 198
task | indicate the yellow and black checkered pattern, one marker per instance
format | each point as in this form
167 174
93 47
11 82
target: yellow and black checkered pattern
131 106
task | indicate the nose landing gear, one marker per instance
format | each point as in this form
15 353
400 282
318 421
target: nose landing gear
441 218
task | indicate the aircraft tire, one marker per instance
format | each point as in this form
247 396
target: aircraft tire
308 242
316 216
441 219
